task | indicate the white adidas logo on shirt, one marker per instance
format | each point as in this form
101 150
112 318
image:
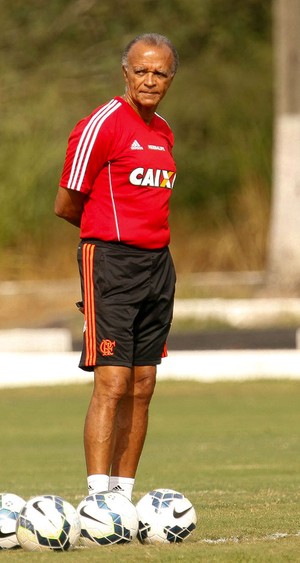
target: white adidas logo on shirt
136 146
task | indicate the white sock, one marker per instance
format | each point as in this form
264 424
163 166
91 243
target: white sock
97 483
123 485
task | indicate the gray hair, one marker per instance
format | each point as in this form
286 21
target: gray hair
151 39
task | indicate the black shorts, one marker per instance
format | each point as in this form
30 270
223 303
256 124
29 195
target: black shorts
128 298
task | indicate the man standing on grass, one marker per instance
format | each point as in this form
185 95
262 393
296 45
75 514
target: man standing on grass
116 184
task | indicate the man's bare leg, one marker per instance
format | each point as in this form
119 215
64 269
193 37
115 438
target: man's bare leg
132 422
111 383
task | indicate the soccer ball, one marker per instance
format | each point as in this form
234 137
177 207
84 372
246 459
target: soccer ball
165 516
48 522
107 518
10 506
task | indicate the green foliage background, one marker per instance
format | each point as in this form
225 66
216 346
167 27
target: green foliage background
60 59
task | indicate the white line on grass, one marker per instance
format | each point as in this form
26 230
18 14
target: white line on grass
275 536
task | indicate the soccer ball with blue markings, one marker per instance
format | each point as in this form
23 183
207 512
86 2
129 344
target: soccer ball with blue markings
107 518
10 507
48 523
165 516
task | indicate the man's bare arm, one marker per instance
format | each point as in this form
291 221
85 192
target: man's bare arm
69 205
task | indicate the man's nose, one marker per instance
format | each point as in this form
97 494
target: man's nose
150 79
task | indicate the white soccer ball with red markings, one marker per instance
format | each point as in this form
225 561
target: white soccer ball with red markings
10 507
165 516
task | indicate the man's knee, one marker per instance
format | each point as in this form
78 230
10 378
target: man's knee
111 382
144 382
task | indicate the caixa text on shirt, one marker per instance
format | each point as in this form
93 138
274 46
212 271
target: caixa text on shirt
150 177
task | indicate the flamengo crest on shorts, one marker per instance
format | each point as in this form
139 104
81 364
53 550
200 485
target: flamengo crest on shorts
107 347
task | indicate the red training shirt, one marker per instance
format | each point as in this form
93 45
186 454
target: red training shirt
126 169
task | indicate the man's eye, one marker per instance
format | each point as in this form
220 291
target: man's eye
159 74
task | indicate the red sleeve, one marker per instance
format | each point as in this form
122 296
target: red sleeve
87 153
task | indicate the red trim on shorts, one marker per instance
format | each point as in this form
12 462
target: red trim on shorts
88 251
165 351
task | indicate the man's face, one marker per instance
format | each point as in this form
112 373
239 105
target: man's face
149 74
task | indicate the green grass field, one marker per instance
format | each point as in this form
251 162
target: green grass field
232 448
